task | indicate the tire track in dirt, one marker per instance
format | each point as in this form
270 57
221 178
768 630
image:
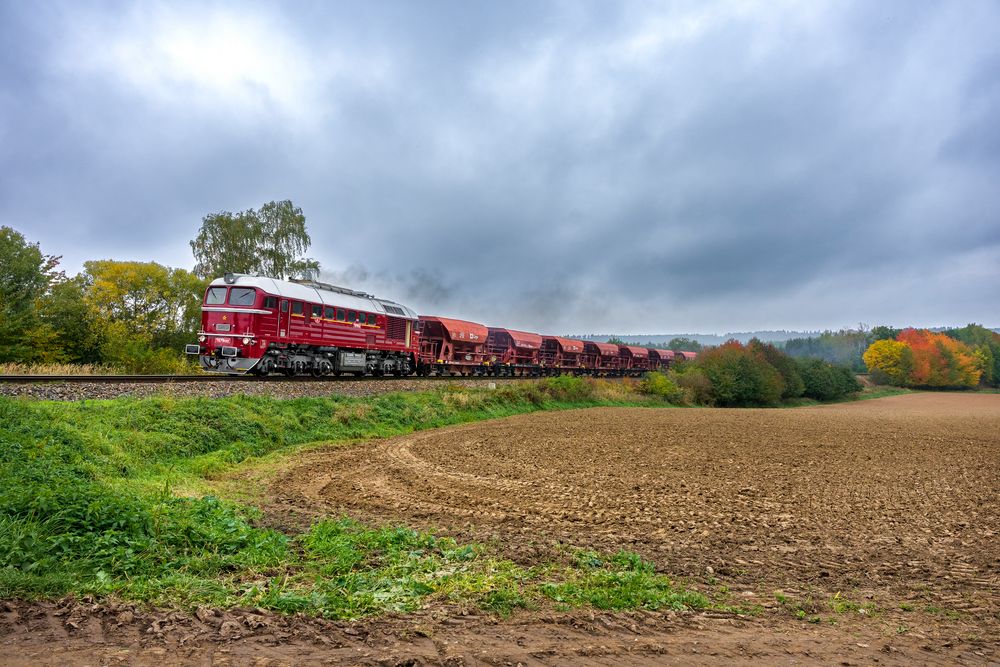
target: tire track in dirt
890 500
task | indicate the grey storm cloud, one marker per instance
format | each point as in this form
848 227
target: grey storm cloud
629 167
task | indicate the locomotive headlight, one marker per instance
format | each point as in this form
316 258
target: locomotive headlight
246 341
201 339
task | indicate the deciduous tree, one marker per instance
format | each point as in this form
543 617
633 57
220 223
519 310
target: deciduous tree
148 299
271 242
682 344
889 362
78 334
940 361
740 377
25 276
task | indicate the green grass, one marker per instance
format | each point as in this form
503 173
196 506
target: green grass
88 506
865 394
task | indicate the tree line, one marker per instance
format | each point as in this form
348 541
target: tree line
955 357
755 374
133 316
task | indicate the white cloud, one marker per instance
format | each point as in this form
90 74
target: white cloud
245 63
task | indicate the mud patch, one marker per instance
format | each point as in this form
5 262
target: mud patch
74 632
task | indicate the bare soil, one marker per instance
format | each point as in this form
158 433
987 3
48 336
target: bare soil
891 505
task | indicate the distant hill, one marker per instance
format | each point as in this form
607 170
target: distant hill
704 339
714 339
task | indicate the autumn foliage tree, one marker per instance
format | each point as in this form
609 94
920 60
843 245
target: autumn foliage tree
940 361
923 358
985 344
889 362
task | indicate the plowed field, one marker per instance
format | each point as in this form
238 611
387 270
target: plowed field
896 498
878 518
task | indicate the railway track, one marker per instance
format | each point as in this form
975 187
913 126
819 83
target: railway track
171 379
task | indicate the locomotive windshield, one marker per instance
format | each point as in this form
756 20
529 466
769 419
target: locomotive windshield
215 296
242 296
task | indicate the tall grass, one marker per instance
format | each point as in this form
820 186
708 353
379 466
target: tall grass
86 506
58 369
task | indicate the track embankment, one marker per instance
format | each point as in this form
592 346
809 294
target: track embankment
215 387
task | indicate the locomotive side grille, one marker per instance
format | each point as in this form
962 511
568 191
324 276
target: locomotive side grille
395 328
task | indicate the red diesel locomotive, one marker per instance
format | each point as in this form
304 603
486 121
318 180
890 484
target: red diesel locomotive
253 324
262 325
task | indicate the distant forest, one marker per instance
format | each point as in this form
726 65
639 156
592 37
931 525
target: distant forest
844 348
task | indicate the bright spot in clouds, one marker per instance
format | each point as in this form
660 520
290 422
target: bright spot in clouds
228 59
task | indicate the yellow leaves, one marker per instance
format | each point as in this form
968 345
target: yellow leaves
890 362
148 296
925 359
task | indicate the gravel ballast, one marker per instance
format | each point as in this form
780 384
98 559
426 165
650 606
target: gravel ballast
77 391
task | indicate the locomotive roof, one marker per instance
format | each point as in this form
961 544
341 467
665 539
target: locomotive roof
460 329
605 349
320 293
531 341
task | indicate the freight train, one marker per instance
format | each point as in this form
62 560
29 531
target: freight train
259 325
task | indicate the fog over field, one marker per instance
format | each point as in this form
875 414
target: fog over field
570 167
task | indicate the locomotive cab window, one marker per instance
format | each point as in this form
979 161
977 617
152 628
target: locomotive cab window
351 316
215 296
371 319
341 315
296 307
271 302
317 311
284 306
242 296
328 313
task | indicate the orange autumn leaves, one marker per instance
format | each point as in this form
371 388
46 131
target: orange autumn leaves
922 358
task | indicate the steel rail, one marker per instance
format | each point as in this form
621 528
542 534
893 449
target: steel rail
168 379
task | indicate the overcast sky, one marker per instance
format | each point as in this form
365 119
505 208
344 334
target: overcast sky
562 167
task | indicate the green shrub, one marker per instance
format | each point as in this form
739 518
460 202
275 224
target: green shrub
659 384
694 383
740 377
825 382
567 388
786 366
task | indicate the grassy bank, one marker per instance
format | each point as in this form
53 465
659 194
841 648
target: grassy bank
88 505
